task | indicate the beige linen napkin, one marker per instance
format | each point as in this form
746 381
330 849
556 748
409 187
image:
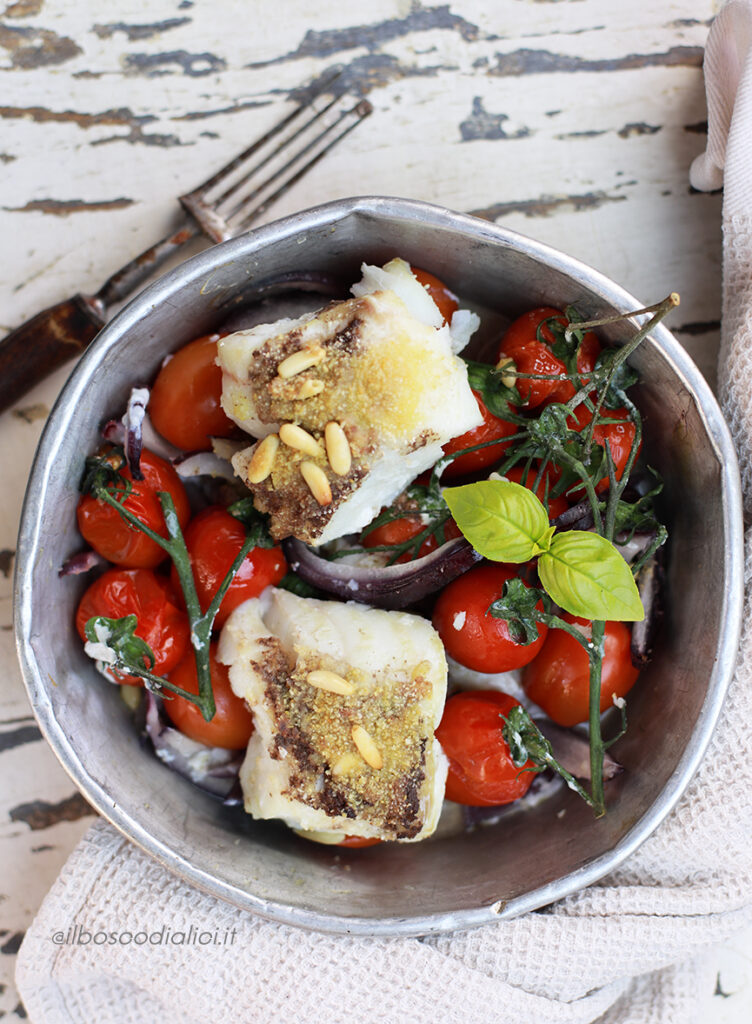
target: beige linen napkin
626 950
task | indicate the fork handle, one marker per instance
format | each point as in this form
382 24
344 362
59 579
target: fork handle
52 337
42 344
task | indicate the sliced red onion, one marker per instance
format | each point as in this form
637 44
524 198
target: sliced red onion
288 295
649 586
204 464
633 547
578 517
572 751
212 769
389 586
114 432
82 561
133 424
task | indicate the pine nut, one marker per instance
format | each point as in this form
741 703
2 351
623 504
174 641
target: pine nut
366 747
345 764
310 387
295 437
330 681
301 360
337 448
508 379
317 482
262 459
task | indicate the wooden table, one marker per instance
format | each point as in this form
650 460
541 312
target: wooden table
573 122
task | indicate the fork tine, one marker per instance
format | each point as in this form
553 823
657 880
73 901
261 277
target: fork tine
236 186
349 118
227 170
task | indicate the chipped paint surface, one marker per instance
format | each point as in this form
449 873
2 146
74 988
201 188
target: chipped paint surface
574 122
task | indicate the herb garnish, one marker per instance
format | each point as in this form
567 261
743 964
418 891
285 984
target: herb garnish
127 652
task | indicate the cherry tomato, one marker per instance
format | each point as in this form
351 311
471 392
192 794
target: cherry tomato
491 429
444 299
232 724
185 398
558 680
358 842
520 343
619 435
470 635
139 592
481 770
555 505
115 539
587 356
524 329
400 530
213 539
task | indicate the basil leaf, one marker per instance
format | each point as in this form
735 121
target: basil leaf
503 521
585 574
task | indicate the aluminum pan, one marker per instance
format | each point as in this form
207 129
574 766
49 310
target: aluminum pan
437 886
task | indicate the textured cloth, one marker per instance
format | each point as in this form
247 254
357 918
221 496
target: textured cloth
628 950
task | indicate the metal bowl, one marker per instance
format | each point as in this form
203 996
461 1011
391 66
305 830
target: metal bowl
529 859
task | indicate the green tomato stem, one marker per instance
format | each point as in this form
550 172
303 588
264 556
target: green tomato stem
597 750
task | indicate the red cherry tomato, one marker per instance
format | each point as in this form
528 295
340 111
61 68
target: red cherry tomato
185 398
558 680
555 505
139 592
213 539
524 329
520 343
587 356
481 770
115 539
470 635
619 435
232 724
491 429
358 842
444 299
400 530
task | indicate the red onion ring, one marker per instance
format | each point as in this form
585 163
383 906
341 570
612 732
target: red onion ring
389 586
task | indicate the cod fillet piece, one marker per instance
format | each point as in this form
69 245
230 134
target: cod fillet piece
345 700
350 404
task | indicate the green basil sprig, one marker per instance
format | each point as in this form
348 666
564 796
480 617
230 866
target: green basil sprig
583 572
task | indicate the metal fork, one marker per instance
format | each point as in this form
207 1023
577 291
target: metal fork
222 207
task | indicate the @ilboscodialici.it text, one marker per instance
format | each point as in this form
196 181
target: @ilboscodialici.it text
78 935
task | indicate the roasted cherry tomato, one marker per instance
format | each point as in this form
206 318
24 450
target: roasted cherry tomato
116 540
558 680
619 435
520 344
491 429
555 505
587 356
232 724
139 592
481 770
444 299
358 842
400 530
213 539
185 398
470 635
